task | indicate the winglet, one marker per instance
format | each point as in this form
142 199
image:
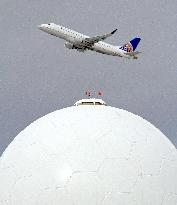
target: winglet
114 31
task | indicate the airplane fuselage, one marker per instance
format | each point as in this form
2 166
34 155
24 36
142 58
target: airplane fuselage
75 39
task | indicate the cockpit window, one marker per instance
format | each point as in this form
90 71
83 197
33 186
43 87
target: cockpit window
98 103
49 24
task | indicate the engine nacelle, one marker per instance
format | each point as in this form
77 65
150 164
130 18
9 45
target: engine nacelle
69 45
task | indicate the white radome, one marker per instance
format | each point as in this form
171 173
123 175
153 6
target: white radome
89 155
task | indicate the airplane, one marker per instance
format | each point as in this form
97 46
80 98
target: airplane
81 42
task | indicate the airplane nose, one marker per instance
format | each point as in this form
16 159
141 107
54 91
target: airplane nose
40 27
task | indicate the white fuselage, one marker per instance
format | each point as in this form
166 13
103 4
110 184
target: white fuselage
73 37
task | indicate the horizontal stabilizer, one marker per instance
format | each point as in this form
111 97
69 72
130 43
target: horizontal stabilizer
133 53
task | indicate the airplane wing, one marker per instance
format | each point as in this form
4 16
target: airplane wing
88 42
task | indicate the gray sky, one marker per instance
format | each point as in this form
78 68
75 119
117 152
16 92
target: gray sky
38 75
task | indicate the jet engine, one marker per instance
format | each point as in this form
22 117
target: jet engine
69 45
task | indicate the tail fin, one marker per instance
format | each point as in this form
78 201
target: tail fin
131 46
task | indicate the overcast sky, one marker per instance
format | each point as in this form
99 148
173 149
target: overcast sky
38 75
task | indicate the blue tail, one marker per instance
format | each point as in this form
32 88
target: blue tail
131 46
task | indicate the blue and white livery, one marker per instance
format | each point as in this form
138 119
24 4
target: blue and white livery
81 42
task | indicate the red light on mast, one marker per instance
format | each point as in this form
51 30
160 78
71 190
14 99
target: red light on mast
99 93
88 93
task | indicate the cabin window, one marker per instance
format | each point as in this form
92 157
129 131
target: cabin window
87 103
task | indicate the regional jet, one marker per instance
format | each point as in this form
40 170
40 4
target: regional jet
81 42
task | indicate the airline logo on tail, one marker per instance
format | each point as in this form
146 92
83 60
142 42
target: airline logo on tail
131 46
127 47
